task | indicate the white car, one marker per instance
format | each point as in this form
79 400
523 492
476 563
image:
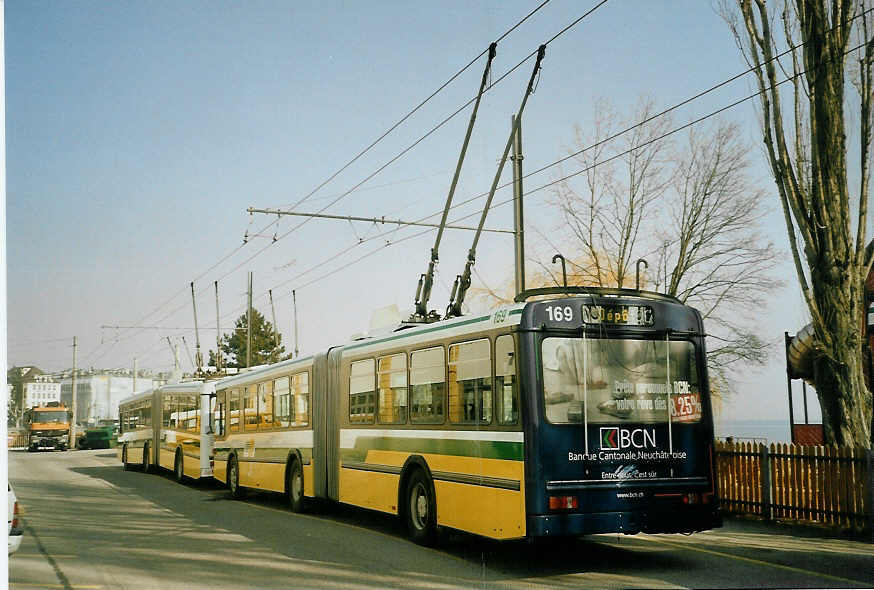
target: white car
15 530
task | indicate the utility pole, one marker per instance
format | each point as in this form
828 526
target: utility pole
73 419
518 218
198 357
218 334
294 301
249 325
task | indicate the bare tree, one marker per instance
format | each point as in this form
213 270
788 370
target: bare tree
807 154
719 260
693 208
607 216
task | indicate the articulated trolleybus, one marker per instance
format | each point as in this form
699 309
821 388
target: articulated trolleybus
585 413
170 427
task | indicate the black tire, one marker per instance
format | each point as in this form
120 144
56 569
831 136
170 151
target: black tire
127 465
420 509
234 479
178 467
146 464
294 486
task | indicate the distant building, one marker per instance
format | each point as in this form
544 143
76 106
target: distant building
42 390
98 392
18 378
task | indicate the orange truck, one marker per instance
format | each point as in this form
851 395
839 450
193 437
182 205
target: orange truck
47 427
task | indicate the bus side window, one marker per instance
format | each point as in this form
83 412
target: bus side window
505 380
362 379
300 385
250 408
166 411
392 378
219 404
193 405
234 411
470 382
280 403
265 405
427 386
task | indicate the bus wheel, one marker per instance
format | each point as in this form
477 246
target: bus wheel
421 509
146 464
294 486
234 479
124 458
178 471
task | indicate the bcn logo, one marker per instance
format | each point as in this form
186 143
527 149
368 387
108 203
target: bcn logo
623 438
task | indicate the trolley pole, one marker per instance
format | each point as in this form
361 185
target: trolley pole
275 325
198 357
294 300
73 417
218 334
249 325
518 218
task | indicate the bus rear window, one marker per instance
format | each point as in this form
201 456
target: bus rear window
619 380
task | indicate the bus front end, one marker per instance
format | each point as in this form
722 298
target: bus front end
620 431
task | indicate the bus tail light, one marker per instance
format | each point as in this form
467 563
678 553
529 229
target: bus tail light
563 502
15 516
707 497
691 498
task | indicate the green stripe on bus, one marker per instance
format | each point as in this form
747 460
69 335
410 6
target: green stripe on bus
485 449
263 453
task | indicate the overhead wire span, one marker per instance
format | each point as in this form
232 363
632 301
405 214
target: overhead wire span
344 167
419 140
416 108
414 144
544 186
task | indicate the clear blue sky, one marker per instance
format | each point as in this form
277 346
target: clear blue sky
139 132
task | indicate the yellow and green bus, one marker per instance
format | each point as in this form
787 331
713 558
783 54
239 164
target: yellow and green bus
169 427
585 412
263 431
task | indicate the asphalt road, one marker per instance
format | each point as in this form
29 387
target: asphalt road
91 525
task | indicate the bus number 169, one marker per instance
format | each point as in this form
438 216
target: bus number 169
560 314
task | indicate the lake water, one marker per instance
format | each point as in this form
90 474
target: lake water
772 430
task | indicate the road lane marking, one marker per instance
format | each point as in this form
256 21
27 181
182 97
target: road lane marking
788 568
65 582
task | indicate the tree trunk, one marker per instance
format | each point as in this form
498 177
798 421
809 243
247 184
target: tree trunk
838 367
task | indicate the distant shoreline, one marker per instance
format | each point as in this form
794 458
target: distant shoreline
759 430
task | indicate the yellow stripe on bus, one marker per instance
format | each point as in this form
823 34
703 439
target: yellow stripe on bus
481 509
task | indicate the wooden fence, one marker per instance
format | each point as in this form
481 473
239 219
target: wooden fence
830 485
16 440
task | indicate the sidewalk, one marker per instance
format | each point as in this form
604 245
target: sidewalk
806 529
